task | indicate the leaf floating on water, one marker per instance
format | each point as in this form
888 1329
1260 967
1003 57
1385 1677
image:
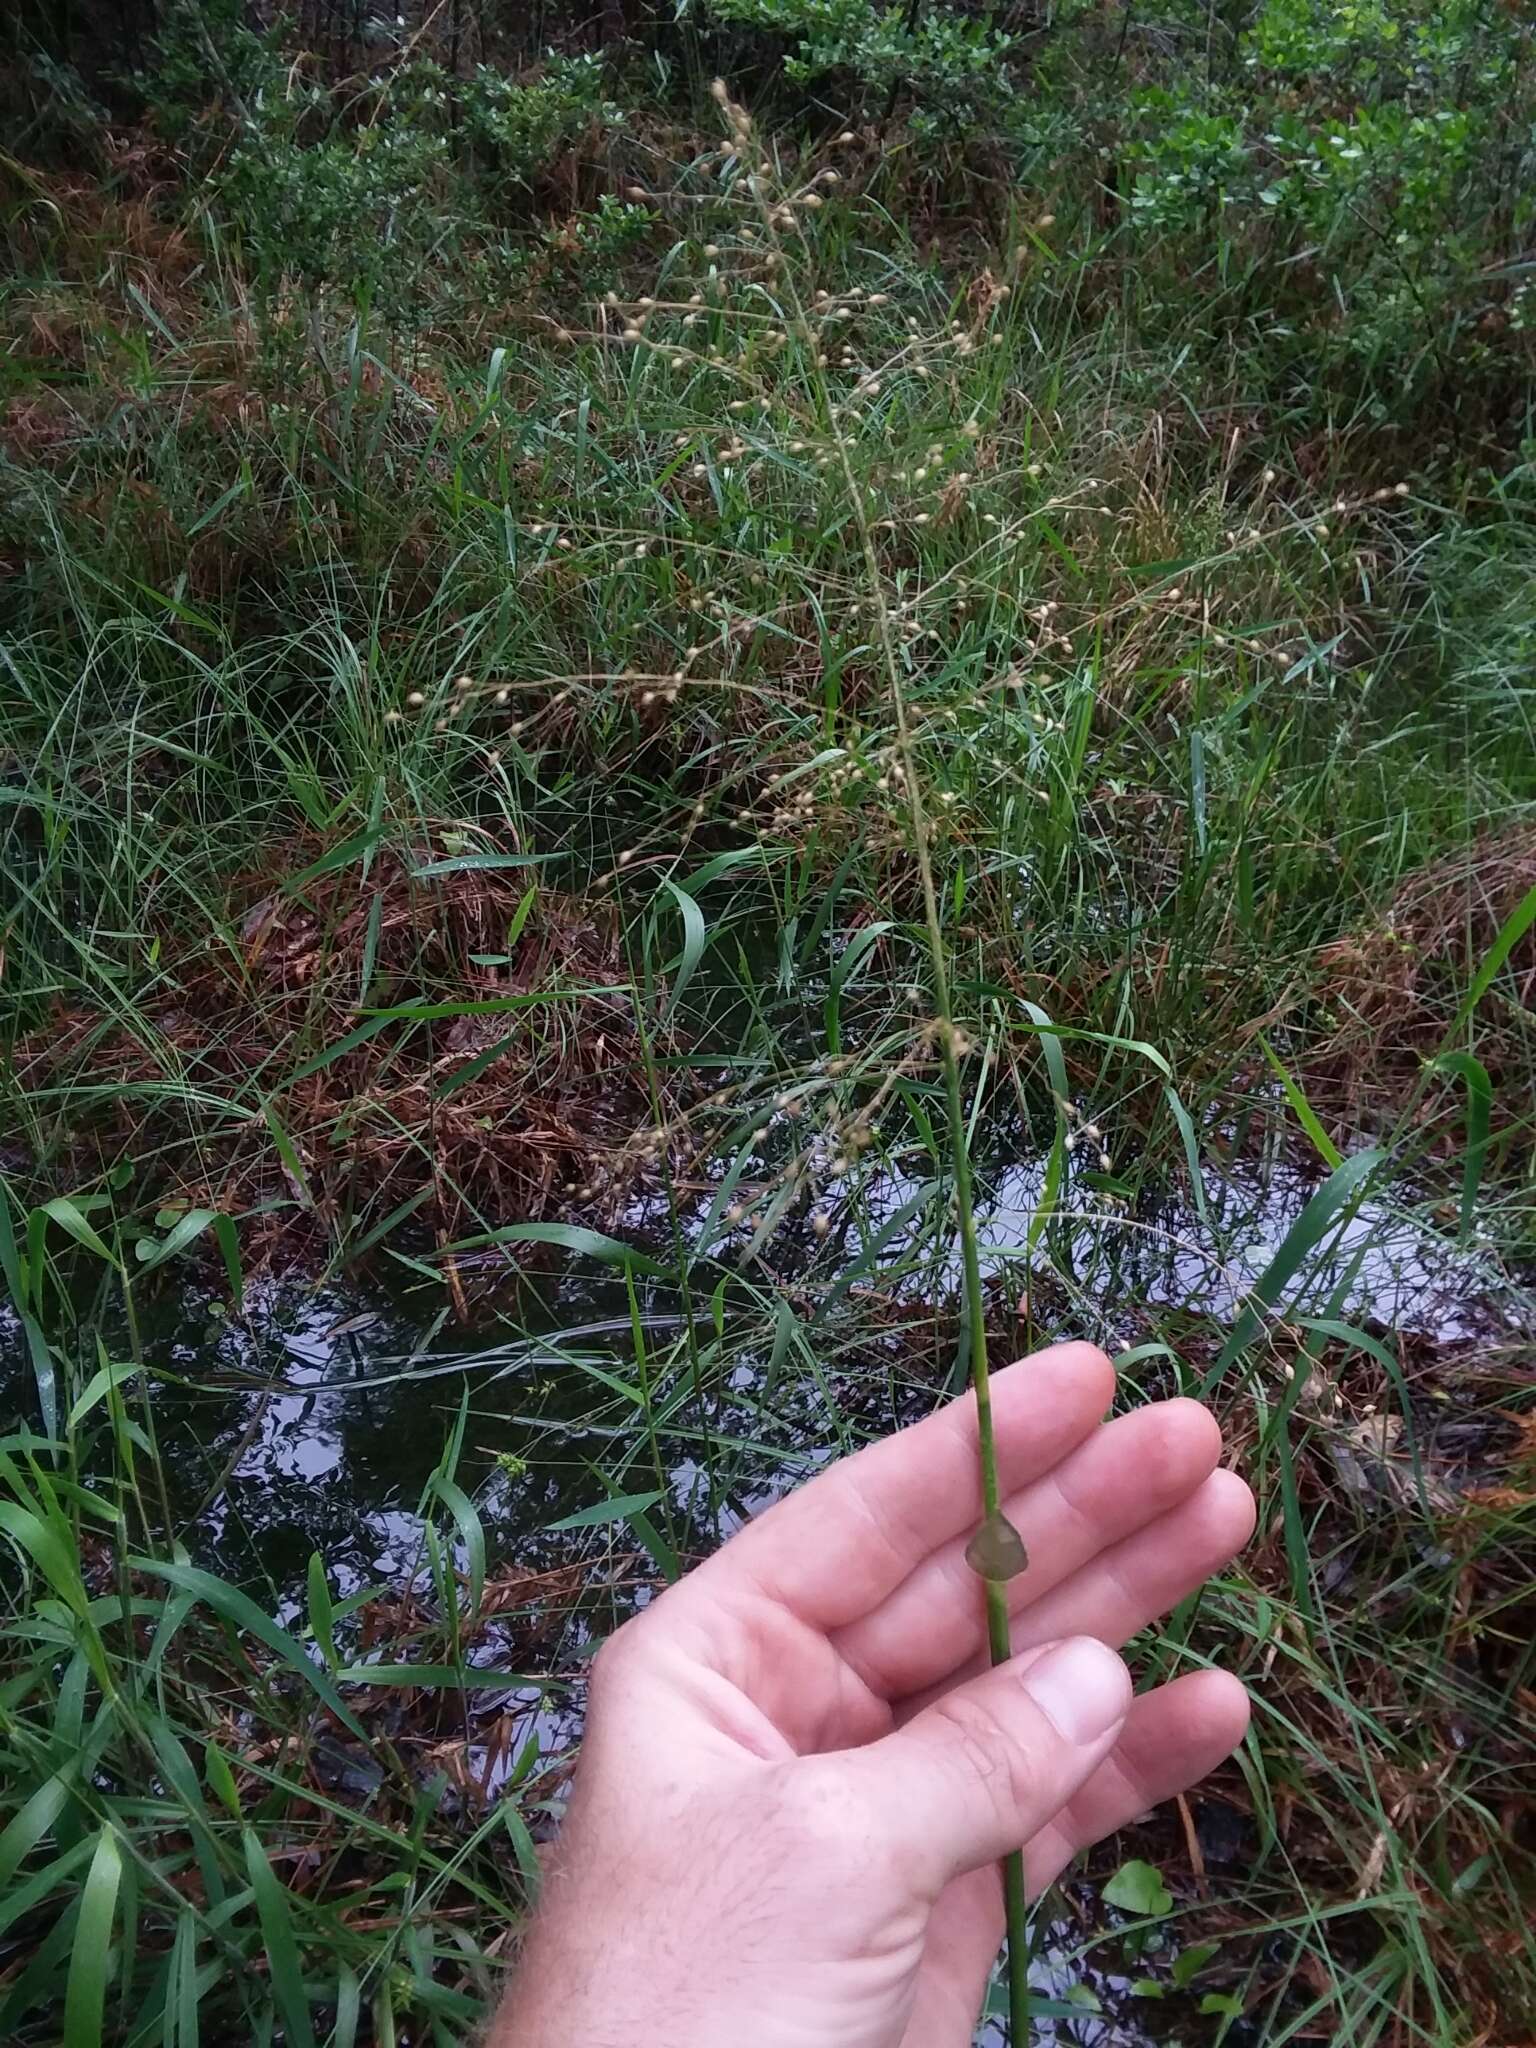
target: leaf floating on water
997 1550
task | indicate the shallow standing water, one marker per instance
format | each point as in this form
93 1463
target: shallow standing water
314 1421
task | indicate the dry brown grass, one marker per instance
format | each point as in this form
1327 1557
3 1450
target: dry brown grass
561 1097
1395 982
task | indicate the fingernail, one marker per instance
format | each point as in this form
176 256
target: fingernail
1081 1686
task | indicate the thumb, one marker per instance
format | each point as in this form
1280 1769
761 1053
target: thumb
985 1767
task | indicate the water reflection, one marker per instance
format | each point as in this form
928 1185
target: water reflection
315 1421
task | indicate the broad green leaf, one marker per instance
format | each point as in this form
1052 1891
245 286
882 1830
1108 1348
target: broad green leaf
221 1779
478 863
571 1237
721 864
845 970
44 1373
1078 2001
1223 2003
322 1616
229 1248
17 1900
520 916
1050 1045
1189 1962
65 1211
651 1541
1138 1888
97 1388
190 1226
49 1547
471 1534
358 847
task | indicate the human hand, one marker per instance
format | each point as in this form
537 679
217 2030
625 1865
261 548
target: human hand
799 1774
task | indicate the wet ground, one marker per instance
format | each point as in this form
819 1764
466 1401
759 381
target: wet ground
315 1421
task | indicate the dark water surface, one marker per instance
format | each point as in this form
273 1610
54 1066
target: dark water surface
315 1420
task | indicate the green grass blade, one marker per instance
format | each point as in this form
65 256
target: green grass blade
240 1610
1182 1118
64 1211
98 1387
48 1544
229 1250
349 2002
471 1533
571 1237
602 1512
1511 932
19 1281
21 1899
1479 1106
695 937
28 1825
1306 1116
322 1617
1316 1220
85 1994
183 1992
281 1942
1050 1045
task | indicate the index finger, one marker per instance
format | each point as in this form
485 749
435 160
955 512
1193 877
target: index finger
836 1547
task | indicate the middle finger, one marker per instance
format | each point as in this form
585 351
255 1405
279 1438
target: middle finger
1123 1476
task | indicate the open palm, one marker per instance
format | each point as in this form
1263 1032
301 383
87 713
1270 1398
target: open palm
799 1772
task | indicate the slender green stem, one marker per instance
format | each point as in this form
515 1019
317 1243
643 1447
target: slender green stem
999 1646
998 1643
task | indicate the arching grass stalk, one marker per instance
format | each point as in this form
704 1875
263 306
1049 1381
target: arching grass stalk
991 1545
996 1552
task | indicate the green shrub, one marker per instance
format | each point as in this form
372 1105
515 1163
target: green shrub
368 192
1334 191
951 72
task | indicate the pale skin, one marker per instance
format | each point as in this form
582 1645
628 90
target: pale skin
799 1774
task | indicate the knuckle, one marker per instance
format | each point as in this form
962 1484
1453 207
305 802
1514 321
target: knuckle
616 1662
